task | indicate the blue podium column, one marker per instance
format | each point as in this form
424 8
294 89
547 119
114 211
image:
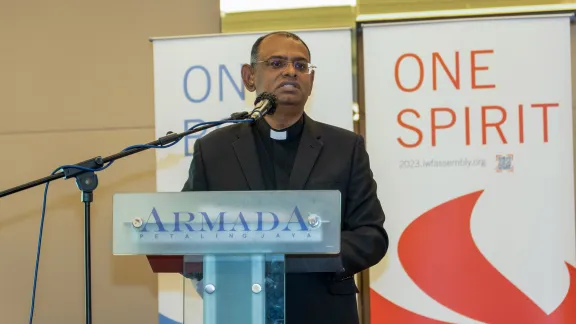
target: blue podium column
243 289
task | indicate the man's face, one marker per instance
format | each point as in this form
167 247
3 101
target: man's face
290 82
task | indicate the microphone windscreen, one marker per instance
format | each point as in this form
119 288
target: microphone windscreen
271 101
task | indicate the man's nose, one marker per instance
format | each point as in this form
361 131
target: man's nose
290 70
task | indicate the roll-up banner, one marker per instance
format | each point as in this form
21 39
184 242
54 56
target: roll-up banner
197 79
469 131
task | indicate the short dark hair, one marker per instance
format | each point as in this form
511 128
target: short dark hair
256 47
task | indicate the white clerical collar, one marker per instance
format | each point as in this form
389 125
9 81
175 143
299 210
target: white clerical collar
278 135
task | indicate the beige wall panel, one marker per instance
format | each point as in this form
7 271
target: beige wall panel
61 59
124 287
77 64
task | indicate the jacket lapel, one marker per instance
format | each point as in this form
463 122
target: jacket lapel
247 155
308 151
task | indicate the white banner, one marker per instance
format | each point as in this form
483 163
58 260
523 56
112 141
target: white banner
469 130
197 79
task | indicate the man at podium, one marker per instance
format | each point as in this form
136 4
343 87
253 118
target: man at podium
290 151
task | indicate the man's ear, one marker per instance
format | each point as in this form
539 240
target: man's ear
248 77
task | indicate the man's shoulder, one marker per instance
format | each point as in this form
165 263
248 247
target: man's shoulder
226 132
332 131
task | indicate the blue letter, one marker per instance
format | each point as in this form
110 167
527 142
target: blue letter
239 89
177 221
154 214
209 221
186 75
260 222
243 221
300 220
189 123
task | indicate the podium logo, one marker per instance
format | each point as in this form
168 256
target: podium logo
470 286
241 225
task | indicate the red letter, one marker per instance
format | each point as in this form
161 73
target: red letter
455 79
496 125
521 123
477 68
433 125
545 116
397 72
415 129
467 125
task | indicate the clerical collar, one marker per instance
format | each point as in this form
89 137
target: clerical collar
287 134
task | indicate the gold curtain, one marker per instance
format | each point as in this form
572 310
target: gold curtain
396 6
289 19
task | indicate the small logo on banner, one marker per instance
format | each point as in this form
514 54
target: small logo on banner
504 163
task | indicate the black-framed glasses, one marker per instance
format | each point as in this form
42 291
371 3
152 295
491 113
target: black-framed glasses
279 64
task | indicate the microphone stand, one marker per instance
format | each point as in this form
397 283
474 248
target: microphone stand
87 182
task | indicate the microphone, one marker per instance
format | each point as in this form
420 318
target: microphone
265 105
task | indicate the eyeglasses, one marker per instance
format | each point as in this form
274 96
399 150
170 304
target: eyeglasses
280 64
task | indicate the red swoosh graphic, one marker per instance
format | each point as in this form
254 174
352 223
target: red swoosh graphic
566 312
439 254
384 311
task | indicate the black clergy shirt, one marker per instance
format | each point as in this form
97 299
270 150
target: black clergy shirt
277 152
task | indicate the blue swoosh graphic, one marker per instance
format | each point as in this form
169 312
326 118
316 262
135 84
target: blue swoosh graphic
165 320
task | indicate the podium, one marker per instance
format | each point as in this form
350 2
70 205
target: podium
234 245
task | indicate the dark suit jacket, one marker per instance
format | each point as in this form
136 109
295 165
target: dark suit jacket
328 158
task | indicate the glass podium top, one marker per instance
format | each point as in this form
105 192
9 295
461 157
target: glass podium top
227 222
